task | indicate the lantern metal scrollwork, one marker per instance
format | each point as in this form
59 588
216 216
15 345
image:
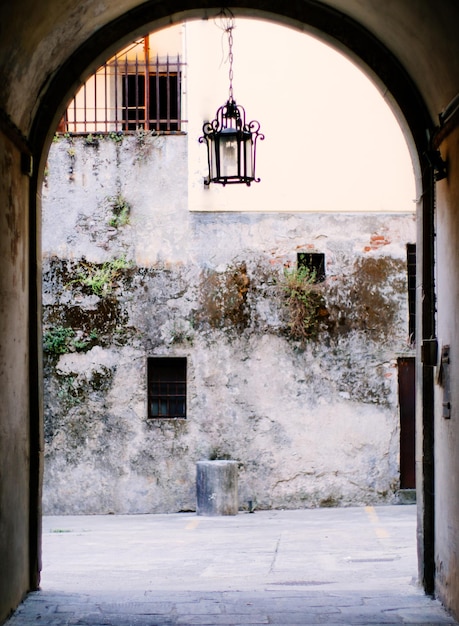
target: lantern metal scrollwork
231 141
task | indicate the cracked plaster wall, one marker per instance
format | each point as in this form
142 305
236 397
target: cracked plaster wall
311 423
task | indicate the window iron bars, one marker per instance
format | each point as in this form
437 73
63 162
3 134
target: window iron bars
167 399
167 387
126 95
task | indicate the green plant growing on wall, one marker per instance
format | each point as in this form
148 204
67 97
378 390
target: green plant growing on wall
101 279
181 331
79 344
143 142
92 140
121 210
142 135
117 136
60 340
305 303
69 393
57 340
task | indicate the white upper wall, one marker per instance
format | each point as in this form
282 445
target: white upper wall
332 143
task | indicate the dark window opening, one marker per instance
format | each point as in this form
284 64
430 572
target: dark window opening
411 273
133 101
161 101
166 387
314 262
164 99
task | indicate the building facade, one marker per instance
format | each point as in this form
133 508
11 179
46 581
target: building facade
173 336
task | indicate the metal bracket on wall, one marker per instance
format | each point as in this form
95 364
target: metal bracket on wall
444 380
429 352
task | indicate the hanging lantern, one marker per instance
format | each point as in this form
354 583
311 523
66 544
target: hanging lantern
231 141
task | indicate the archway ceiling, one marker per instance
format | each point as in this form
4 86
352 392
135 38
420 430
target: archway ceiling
37 38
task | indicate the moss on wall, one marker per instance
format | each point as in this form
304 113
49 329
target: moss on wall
369 298
87 307
223 298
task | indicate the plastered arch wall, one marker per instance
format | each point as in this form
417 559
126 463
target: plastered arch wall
46 50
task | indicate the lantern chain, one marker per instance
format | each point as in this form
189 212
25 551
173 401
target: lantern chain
227 165
229 30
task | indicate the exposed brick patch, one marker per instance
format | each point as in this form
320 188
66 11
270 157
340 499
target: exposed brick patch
377 241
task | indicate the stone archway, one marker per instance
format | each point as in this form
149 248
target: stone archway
345 34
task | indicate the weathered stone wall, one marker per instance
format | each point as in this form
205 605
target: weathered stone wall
309 410
446 389
16 526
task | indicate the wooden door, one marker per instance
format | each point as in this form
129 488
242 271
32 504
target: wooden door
407 403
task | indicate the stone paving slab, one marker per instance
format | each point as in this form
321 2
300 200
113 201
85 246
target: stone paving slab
349 567
256 608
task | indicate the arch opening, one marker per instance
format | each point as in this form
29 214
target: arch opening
407 100
73 155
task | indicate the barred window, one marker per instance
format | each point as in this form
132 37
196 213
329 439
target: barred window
166 387
129 93
151 102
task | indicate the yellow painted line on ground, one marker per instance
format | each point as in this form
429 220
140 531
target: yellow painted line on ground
370 511
380 532
192 525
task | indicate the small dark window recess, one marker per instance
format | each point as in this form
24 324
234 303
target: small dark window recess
411 275
166 387
314 262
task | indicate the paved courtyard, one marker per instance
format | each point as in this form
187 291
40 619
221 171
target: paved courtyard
321 566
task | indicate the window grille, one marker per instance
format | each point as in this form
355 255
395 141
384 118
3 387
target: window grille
314 262
127 94
166 387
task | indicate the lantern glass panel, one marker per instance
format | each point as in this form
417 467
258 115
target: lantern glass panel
229 153
248 156
212 148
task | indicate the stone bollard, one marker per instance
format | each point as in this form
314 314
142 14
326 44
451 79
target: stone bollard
216 488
